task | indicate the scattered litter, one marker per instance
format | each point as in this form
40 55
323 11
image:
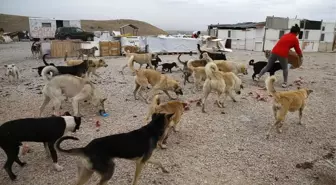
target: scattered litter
259 96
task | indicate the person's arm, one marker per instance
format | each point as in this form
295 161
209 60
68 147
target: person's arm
297 48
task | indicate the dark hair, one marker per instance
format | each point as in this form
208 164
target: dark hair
295 29
199 32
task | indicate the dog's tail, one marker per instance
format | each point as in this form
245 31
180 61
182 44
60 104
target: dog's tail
251 63
270 85
73 151
66 56
199 48
178 58
46 71
212 71
189 64
44 59
131 62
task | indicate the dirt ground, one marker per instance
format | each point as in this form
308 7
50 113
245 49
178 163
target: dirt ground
223 146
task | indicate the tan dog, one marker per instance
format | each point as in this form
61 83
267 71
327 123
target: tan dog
143 58
214 82
146 77
230 66
96 63
198 71
286 101
176 108
232 84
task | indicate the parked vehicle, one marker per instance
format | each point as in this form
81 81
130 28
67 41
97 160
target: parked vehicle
73 33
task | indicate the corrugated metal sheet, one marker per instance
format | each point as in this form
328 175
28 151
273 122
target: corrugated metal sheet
277 22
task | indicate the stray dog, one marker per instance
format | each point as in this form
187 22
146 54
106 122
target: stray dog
138 145
88 52
93 66
12 72
267 53
76 70
40 68
169 66
285 101
213 56
36 49
232 84
214 82
45 130
144 58
155 62
172 107
257 67
197 72
230 66
186 71
68 86
158 81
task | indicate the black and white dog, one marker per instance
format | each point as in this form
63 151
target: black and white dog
258 66
76 70
213 56
40 68
45 130
155 62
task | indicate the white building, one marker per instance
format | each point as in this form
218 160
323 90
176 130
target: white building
315 35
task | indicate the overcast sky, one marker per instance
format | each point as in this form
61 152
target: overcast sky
173 14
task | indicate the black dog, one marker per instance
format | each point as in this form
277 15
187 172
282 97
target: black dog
76 70
155 62
40 68
213 56
136 145
257 67
186 71
168 67
45 130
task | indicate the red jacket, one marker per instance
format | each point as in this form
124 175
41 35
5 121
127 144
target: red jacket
285 43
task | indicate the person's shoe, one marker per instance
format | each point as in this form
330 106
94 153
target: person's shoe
284 85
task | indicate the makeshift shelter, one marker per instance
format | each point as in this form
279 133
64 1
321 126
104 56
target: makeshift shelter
135 29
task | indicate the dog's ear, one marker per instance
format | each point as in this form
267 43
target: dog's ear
66 113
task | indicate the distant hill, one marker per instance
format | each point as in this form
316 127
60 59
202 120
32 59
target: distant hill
11 23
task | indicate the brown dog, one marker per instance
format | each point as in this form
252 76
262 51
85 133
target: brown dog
158 81
286 101
176 108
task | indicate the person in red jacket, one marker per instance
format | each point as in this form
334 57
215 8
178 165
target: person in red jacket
280 52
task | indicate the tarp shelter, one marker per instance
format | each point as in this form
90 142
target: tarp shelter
135 29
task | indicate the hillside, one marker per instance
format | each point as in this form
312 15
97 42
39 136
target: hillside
11 23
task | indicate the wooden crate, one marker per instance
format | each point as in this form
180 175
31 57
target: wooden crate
109 48
132 49
59 47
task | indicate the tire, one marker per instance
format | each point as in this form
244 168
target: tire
89 38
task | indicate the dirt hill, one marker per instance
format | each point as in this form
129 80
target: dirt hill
11 23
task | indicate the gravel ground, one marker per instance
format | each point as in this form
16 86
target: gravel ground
215 148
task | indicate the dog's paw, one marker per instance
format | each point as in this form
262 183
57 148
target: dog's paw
13 177
58 167
23 164
164 170
163 146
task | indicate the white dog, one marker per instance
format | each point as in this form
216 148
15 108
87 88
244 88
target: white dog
12 72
